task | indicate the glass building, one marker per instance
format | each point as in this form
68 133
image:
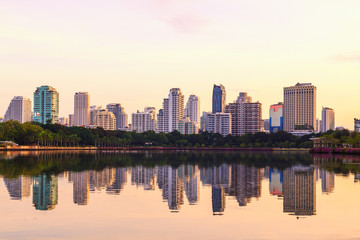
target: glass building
46 104
219 99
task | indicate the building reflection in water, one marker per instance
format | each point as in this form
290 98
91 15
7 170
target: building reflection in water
120 180
81 185
299 189
101 179
327 181
45 192
276 182
19 187
192 184
142 176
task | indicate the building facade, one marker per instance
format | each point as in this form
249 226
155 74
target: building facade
46 104
300 107
144 121
120 115
192 109
220 123
276 117
106 120
218 99
19 110
81 109
186 126
172 111
356 125
204 121
246 116
327 119
94 109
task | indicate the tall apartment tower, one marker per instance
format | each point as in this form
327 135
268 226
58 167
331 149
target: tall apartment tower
172 112
218 99
120 115
192 109
46 104
81 109
276 117
327 119
246 116
144 121
299 106
19 110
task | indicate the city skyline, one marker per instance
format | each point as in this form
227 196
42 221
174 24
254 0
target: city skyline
248 46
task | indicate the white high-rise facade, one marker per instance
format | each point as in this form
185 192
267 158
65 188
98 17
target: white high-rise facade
172 112
19 110
144 121
219 123
176 108
192 109
328 119
93 112
81 109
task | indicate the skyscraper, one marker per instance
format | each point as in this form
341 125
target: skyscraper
218 99
276 117
93 112
327 120
120 115
300 107
46 104
144 121
192 109
245 115
19 110
81 109
172 112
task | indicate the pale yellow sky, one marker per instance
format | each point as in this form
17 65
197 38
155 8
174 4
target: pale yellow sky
133 52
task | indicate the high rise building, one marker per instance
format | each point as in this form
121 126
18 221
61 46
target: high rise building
300 107
19 110
218 99
81 109
204 121
245 115
120 115
163 117
144 121
219 123
64 121
46 104
327 120
276 117
106 120
93 112
186 126
356 125
71 120
45 192
172 112
192 109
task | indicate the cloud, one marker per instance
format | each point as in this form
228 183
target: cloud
188 23
346 58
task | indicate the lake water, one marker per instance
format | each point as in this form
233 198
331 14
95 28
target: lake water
178 195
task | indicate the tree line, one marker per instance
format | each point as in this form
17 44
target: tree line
33 133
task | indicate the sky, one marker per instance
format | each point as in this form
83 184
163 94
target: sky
133 51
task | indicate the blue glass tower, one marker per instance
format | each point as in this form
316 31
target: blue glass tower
219 99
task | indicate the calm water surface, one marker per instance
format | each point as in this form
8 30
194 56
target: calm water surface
181 195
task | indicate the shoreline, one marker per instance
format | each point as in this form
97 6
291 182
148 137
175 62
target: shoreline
37 148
